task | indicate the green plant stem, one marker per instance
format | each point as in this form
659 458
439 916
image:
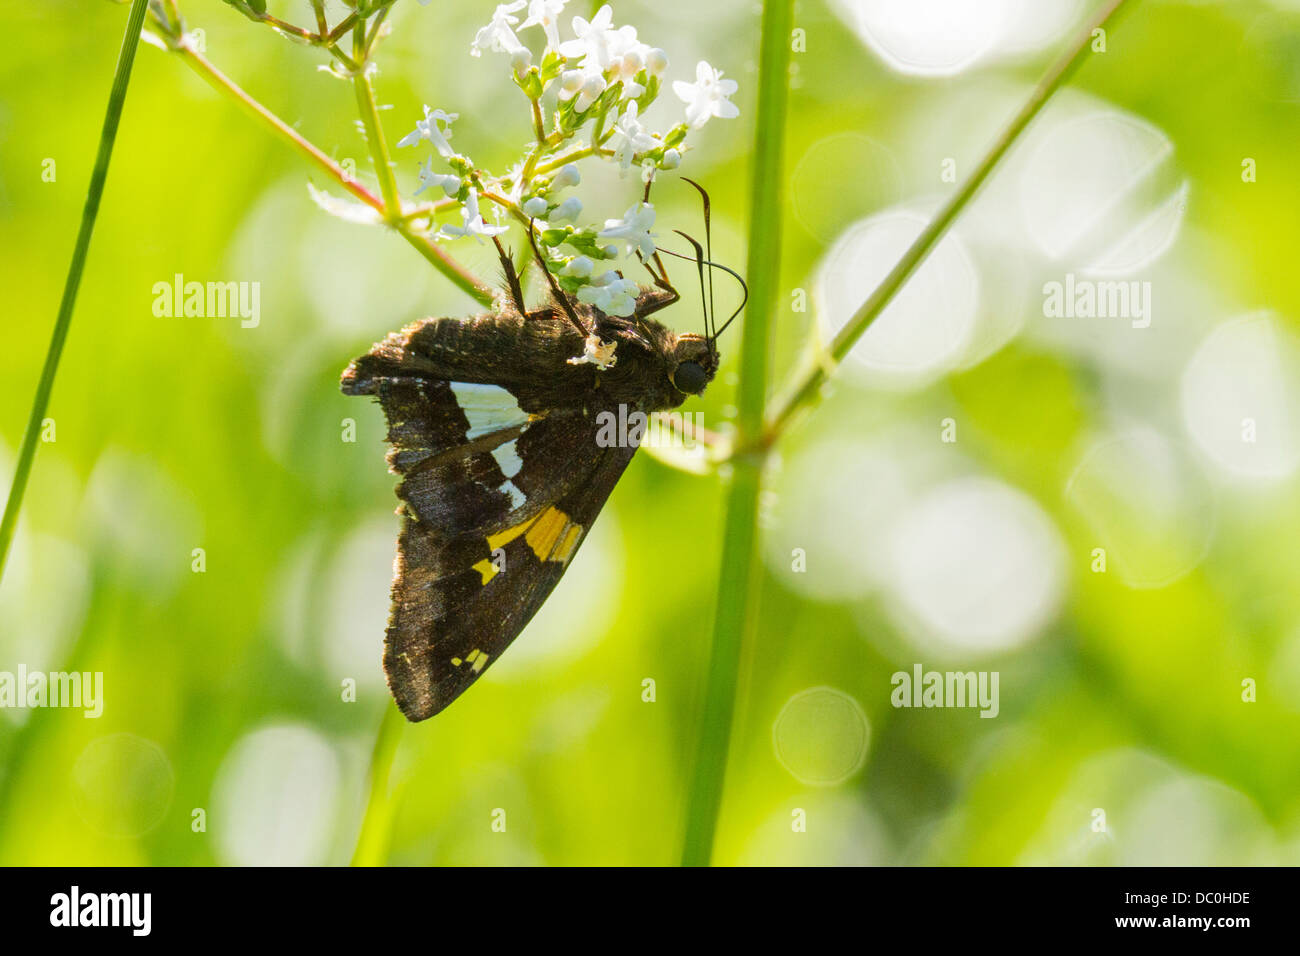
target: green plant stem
452 270
322 25
98 176
820 368
378 146
539 127
224 84
559 161
376 825
736 593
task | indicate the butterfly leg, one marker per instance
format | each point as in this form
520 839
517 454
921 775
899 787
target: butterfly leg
556 291
512 277
652 303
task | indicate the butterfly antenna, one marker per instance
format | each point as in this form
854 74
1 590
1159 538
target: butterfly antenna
745 298
699 264
711 314
712 265
556 291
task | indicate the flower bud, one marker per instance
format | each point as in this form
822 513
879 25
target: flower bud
567 176
580 267
567 210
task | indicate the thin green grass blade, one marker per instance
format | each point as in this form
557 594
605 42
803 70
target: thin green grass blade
98 176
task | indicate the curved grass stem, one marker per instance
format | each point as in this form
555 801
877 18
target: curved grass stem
820 367
98 176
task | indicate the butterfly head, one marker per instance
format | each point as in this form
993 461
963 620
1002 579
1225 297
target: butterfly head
695 362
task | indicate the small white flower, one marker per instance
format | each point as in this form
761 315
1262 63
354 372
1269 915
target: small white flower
634 229
597 353
672 159
474 224
497 36
633 138
450 184
569 210
436 128
579 266
566 177
611 293
592 86
628 57
707 96
593 38
535 208
586 84
656 61
545 14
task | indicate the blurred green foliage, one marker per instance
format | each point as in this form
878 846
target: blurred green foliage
176 434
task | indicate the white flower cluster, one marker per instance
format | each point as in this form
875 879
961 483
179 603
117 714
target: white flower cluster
596 87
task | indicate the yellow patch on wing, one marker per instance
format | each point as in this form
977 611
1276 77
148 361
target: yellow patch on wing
551 535
546 530
475 658
564 549
502 538
487 569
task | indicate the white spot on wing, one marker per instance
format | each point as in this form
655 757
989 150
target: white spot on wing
517 497
489 408
507 456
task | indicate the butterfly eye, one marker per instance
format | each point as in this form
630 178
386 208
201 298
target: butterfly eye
690 378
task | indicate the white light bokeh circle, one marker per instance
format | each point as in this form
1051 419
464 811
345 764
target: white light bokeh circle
1155 814
817 192
36 628
946 37
140 515
1084 187
356 602
839 560
924 330
122 785
1146 241
927 37
1148 505
977 566
1241 397
276 798
821 736
840 831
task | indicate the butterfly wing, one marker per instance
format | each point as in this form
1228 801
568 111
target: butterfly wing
500 484
459 601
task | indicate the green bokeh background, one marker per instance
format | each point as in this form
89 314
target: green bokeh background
175 434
